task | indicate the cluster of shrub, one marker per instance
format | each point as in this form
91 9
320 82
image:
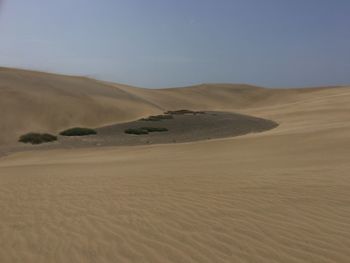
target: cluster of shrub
78 132
38 138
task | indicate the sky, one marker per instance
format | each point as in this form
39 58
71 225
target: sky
171 43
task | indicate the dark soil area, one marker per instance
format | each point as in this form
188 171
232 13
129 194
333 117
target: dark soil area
180 127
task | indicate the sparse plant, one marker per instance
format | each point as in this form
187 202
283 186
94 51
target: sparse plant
154 129
37 138
78 131
136 131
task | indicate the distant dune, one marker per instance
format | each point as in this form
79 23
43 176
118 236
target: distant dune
277 196
37 101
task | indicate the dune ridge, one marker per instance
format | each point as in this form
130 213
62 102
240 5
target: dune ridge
45 102
276 196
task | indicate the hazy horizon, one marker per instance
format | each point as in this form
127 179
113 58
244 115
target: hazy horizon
179 43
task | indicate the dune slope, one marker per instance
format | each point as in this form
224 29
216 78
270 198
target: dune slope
35 101
278 196
41 102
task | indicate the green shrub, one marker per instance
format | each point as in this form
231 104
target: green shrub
136 131
78 132
37 138
154 129
144 130
158 118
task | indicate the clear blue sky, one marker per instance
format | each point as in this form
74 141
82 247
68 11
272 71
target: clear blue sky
162 43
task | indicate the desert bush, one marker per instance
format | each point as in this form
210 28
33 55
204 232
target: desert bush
37 138
144 130
136 131
154 129
78 132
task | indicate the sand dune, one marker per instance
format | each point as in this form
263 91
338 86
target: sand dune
43 102
277 196
34 101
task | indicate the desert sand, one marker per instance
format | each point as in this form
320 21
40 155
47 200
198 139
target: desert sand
276 196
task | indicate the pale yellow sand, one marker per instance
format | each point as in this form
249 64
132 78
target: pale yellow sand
278 196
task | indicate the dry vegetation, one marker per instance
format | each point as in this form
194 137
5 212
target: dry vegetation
37 138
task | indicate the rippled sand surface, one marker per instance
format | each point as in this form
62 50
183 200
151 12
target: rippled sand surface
277 196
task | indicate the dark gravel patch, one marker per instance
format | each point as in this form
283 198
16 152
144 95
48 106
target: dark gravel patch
180 128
